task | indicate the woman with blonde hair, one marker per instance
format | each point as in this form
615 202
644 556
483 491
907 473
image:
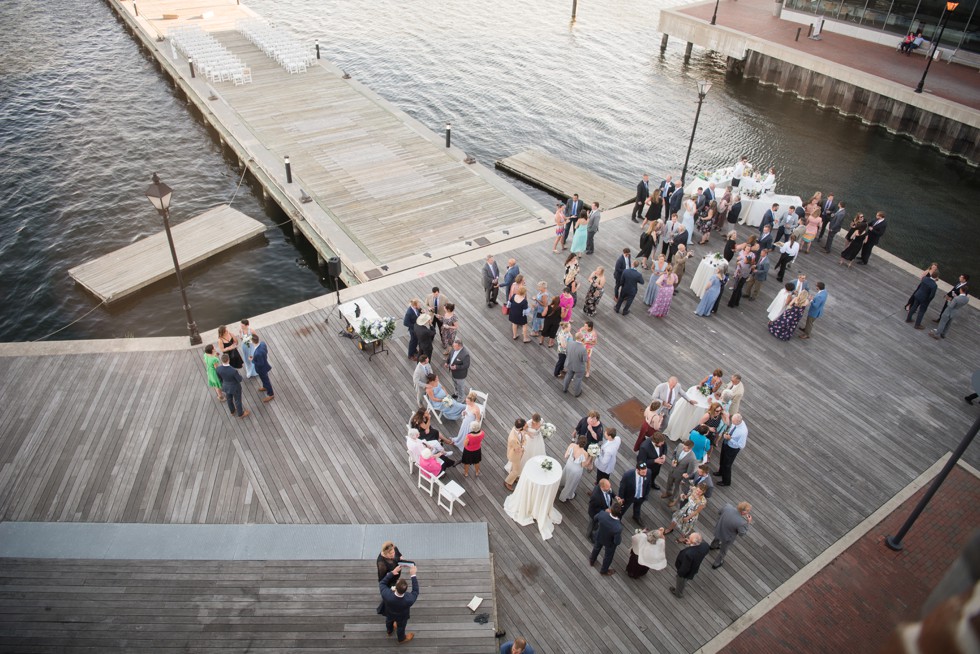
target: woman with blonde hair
785 325
515 453
541 301
472 448
560 221
517 310
647 552
388 560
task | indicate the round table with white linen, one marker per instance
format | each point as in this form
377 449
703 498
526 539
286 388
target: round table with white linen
684 416
753 209
705 270
534 497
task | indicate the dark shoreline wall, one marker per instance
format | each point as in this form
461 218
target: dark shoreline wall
948 135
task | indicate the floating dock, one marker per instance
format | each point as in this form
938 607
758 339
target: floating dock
369 183
562 179
125 271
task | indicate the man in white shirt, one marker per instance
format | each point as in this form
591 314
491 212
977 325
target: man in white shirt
734 443
788 252
739 171
606 462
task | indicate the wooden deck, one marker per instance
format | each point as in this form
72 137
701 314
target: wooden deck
387 194
255 606
562 179
118 274
838 425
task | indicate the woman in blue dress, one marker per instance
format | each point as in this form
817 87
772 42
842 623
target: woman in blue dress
580 237
711 293
436 394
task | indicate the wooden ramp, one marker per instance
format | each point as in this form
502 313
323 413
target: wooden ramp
69 605
562 179
148 260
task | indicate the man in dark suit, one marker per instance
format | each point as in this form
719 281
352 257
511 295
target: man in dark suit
757 276
666 191
624 262
653 452
491 280
826 212
231 386
601 499
628 283
411 315
608 535
834 225
642 193
921 298
709 194
633 490
676 199
875 232
260 359
688 562
765 239
398 602
680 238
572 207
425 333
769 218
458 363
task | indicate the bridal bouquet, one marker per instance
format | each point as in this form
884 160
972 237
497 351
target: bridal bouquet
376 330
593 450
447 402
547 464
704 390
547 430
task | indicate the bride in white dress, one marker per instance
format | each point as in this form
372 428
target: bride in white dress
780 302
690 207
534 441
576 461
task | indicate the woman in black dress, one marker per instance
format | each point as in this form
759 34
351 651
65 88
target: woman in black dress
656 208
422 420
387 561
228 344
730 245
648 240
552 319
517 312
856 236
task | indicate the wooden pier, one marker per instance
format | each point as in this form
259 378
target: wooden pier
121 273
838 425
385 193
561 179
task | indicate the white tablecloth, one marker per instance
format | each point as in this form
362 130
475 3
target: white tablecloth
684 416
355 315
534 497
754 209
705 270
722 179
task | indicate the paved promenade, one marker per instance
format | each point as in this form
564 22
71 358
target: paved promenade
837 426
955 82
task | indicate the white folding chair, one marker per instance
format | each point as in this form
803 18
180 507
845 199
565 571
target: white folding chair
428 482
450 492
481 401
434 409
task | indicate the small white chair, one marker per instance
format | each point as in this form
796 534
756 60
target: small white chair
451 492
428 482
434 409
481 401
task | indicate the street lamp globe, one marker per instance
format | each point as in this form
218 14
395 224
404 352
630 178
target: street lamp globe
159 194
703 87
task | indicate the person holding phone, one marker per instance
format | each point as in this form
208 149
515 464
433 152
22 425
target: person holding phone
398 601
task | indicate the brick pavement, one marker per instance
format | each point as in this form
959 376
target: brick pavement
951 81
866 591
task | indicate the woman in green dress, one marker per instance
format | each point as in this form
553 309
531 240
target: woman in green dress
211 366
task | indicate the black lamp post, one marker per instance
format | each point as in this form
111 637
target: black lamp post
159 194
703 87
714 16
950 7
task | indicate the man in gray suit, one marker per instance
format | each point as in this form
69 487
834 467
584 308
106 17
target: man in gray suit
575 365
682 466
732 523
670 230
592 228
834 225
951 309
491 280
758 276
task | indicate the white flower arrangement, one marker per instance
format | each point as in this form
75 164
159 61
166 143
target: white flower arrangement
447 402
705 390
593 450
548 430
376 330
547 464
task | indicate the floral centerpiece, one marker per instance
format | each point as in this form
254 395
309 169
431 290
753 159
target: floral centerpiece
717 256
547 430
747 171
593 450
547 464
376 330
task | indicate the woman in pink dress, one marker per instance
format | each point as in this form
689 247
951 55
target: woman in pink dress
813 223
665 292
566 301
560 221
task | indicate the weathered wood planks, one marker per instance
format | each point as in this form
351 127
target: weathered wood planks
562 179
118 274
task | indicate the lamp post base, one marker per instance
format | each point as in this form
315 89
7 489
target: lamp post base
893 544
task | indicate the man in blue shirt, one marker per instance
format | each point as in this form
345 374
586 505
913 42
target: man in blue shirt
734 443
816 309
516 646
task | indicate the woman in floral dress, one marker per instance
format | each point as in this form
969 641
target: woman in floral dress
659 268
686 517
563 338
560 221
450 323
706 222
589 338
665 292
785 325
597 282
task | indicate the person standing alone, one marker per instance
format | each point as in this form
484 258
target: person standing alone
642 193
260 359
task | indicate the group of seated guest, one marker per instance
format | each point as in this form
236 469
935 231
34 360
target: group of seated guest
911 42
